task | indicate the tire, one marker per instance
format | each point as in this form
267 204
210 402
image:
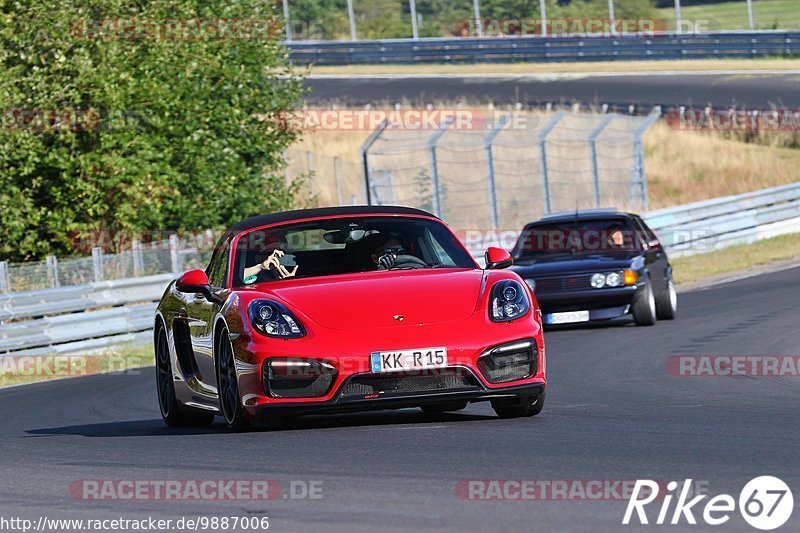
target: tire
644 306
230 401
667 301
167 402
519 407
444 407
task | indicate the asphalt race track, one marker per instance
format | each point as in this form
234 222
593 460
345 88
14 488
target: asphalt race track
613 413
670 89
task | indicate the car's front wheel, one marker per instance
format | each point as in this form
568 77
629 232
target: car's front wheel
667 301
644 306
167 401
519 407
230 402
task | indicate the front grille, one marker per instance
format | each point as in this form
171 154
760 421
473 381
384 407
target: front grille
391 383
567 283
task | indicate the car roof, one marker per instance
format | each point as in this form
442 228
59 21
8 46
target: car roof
300 214
587 214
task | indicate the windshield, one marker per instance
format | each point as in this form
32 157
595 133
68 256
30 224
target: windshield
345 245
576 237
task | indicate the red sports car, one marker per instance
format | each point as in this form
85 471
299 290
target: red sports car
346 309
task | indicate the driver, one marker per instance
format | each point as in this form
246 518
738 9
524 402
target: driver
385 254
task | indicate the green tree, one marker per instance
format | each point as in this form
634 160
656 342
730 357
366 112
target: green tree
155 132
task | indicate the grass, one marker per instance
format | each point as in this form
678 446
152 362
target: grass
736 259
694 65
15 369
767 15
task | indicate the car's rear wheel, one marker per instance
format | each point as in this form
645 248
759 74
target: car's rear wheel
667 301
443 407
230 402
519 407
644 306
170 411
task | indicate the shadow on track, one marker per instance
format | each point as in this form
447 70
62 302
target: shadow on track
155 427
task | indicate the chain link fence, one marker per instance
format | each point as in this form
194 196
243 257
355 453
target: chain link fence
513 171
160 257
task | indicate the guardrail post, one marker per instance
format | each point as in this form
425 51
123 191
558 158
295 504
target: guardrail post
310 170
5 281
542 140
52 271
174 255
97 263
138 259
593 155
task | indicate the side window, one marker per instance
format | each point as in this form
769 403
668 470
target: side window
645 232
218 266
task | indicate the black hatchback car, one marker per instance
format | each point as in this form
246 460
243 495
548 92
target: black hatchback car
596 265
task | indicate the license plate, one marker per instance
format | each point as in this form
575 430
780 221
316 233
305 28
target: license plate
417 359
568 317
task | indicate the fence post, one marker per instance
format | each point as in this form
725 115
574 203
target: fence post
678 18
287 20
543 16
97 263
593 155
5 281
493 212
337 174
436 192
365 148
639 181
412 6
310 170
52 271
542 140
174 255
750 14
138 259
352 19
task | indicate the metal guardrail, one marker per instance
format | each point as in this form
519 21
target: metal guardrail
74 319
710 225
79 317
549 49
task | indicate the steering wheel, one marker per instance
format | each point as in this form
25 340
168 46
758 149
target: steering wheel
408 262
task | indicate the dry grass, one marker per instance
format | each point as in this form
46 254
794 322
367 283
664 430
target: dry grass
687 166
737 259
694 65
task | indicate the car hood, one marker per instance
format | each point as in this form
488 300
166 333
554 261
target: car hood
374 299
574 265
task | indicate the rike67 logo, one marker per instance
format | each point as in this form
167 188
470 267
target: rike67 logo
765 503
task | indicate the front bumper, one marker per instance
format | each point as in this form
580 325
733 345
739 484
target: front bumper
350 355
342 404
602 304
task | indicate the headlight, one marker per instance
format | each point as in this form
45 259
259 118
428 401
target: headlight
531 283
618 278
508 301
272 319
614 279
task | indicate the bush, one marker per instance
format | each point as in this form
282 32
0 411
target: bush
135 134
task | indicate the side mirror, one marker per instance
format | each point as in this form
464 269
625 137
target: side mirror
196 282
498 258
